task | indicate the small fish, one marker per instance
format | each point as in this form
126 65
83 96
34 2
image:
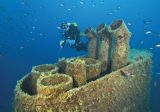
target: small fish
61 5
142 42
148 32
58 27
151 48
21 47
155 83
69 9
129 24
158 45
41 34
118 7
146 22
81 2
23 3
33 27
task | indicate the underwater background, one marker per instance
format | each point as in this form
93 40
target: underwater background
29 35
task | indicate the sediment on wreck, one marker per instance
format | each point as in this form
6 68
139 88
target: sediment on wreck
113 92
45 69
104 48
79 73
26 98
121 37
93 68
92 43
34 92
54 85
83 69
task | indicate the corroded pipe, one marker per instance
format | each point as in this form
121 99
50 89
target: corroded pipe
80 73
45 69
104 50
54 85
69 69
75 67
93 68
121 36
92 43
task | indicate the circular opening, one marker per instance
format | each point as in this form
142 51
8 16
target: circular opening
29 84
45 68
54 80
100 27
116 24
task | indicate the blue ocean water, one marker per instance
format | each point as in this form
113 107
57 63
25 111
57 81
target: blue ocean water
29 35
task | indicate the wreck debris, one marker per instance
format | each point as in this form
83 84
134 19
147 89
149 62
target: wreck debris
45 69
79 72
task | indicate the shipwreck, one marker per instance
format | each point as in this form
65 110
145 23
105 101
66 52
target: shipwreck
110 78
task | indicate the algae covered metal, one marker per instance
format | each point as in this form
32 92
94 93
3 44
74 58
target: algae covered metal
104 48
121 36
112 79
92 42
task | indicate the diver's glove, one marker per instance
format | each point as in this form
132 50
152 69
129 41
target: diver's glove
61 43
71 42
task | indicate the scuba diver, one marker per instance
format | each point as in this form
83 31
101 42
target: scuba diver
71 36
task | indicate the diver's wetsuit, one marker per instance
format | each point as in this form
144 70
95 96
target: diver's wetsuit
73 33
